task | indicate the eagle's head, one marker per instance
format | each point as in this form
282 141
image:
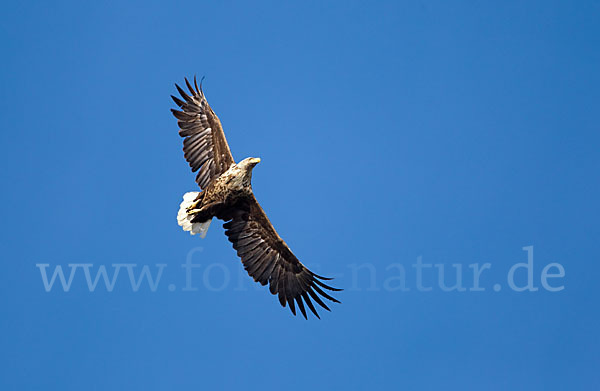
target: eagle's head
244 171
249 163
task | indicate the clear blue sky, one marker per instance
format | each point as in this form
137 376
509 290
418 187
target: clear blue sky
457 132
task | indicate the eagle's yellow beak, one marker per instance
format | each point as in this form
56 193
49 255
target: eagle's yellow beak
255 160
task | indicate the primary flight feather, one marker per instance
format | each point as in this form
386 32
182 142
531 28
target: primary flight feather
227 195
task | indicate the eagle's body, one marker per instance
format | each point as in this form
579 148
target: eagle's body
227 195
223 194
229 188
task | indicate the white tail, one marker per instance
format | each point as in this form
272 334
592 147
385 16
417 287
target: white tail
185 220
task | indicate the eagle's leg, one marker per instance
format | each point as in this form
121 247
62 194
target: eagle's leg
205 212
193 206
197 201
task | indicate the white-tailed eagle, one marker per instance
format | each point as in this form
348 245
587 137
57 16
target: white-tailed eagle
227 195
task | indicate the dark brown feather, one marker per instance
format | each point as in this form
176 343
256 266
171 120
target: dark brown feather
268 259
203 133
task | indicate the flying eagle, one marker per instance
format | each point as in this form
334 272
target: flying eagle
227 195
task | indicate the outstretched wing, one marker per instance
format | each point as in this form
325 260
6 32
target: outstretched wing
205 147
268 259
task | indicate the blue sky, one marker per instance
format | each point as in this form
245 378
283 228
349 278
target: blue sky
450 132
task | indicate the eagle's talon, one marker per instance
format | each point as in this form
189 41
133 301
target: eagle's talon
193 206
